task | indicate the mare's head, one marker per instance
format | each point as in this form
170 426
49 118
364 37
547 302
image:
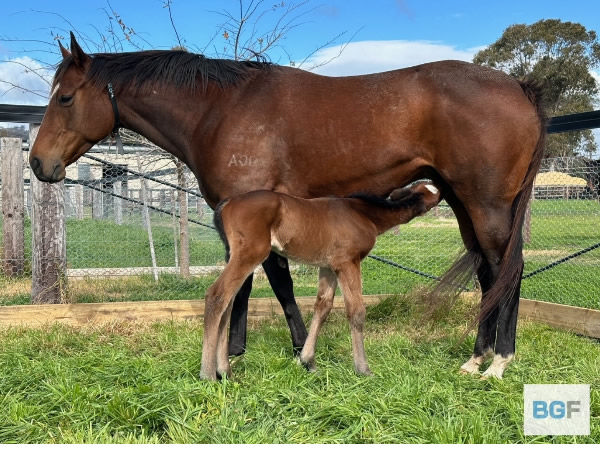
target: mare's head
428 193
79 115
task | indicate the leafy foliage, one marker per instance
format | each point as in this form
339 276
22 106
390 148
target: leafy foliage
561 56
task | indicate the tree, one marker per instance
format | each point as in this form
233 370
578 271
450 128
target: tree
560 56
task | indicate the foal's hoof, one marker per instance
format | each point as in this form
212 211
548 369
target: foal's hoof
208 377
310 365
363 372
221 374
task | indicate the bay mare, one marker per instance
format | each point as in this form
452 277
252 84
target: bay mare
335 234
243 126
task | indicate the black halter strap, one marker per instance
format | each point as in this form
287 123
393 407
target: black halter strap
115 130
113 101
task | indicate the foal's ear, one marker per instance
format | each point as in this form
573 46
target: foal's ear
65 53
79 56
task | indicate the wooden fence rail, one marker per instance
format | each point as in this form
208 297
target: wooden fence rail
578 320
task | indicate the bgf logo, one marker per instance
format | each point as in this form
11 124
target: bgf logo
556 409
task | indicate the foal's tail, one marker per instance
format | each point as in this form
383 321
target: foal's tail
511 267
218 221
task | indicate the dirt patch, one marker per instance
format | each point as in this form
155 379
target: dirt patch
550 253
442 223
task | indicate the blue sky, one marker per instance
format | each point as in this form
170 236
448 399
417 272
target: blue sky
385 34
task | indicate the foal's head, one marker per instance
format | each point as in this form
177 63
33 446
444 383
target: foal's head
428 193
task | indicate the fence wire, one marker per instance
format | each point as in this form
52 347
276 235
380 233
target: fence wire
126 237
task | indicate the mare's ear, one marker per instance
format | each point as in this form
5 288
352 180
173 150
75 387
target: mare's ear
79 56
65 53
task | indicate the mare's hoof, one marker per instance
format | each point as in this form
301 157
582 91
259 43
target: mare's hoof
235 350
469 368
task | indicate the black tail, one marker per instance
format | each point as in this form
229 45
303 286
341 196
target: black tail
218 221
512 261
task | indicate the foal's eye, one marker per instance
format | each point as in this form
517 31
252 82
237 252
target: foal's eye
65 100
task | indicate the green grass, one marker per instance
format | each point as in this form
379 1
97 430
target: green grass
125 383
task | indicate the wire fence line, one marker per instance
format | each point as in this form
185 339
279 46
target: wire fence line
123 237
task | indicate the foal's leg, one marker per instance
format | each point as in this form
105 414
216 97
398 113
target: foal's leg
278 272
323 305
350 281
223 366
218 299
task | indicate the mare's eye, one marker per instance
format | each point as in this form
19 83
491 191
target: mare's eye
65 100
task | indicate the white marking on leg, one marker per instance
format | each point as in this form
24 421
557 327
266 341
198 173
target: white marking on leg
54 91
472 365
499 364
431 188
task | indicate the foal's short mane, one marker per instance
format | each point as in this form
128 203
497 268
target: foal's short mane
147 69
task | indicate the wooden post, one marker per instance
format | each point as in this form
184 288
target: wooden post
13 209
97 209
118 202
48 248
146 220
184 235
79 201
527 220
175 230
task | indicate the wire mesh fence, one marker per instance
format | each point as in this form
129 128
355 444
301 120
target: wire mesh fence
126 232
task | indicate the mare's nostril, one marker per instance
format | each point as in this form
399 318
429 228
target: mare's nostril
56 171
35 163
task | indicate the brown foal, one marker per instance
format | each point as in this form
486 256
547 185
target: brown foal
332 233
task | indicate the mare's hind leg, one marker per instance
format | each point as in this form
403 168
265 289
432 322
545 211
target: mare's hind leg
278 272
492 227
350 281
486 334
506 333
323 305
487 328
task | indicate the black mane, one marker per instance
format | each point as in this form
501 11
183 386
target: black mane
179 68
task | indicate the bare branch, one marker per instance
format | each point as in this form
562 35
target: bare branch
167 4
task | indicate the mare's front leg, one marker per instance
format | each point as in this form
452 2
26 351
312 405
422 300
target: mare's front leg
278 272
323 305
350 281
239 319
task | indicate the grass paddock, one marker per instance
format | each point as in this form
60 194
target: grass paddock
134 383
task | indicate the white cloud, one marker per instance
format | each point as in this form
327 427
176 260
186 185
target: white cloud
21 78
378 56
